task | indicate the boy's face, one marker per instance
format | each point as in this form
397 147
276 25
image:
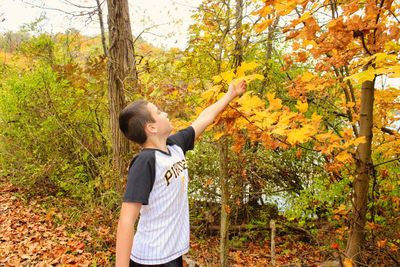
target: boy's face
162 124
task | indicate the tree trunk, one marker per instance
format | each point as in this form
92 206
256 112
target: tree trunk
238 34
122 74
103 35
268 54
224 161
225 208
364 169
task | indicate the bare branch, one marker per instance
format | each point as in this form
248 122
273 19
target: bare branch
390 131
146 31
74 14
385 162
76 5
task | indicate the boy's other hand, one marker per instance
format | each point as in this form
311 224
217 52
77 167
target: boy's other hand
237 87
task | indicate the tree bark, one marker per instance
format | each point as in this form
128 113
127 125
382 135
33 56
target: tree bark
364 170
103 35
122 74
238 34
224 169
225 208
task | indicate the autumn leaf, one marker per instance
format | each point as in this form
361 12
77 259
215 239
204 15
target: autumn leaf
307 76
367 75
218 135
341 210
302 107
252 77
344 157
381 243
249 102
227 77
210 93
335 245
300 135
246 66
263 12
263 25
347 262
274 103
227 209
285 7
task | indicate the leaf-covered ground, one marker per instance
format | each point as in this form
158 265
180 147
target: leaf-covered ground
31 235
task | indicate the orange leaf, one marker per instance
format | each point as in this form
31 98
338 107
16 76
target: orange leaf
381 243
227 209
263 25
347 262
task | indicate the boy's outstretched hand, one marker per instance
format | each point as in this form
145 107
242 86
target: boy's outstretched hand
208 115
237 88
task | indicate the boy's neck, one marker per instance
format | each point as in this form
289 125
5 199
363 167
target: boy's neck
160 144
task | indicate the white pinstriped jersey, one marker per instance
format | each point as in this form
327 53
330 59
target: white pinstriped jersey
159 180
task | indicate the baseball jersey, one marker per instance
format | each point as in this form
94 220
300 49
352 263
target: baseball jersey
159 181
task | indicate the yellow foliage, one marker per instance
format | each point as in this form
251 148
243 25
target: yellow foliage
252 77
264 119
274 103
249 102
300 135
263 25
284 7
347 262
210 93
226 76
263 12
302 107
367 75
246 66
344 157
218 135
307 76
316 119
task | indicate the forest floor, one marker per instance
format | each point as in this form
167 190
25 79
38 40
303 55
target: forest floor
32 235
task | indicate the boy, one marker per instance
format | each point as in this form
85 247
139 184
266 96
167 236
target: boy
157 184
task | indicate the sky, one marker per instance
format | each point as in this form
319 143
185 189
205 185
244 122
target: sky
172 17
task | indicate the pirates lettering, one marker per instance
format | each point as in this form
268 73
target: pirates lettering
175 170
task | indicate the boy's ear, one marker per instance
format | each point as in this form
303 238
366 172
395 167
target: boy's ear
150 128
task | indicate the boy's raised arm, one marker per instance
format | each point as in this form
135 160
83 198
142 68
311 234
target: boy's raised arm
208 115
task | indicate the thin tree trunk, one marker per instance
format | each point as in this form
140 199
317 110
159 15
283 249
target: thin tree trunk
103 35
364 169
268 54
122 74
238 34
224 170
225 208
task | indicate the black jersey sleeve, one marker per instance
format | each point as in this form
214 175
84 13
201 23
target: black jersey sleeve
184 138
141 178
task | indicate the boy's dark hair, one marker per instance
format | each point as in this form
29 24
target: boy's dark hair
133 119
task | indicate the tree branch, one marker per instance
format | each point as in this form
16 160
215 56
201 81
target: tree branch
389 131
77 14
382 163
394 15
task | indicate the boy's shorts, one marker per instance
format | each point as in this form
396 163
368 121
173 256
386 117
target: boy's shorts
174 263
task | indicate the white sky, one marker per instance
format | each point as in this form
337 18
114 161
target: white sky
173 14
